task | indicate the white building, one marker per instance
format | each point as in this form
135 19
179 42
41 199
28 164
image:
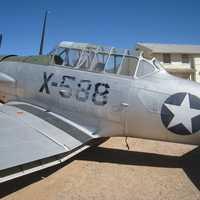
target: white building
180 60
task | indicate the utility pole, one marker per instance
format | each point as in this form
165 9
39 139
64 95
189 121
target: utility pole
43 33
1 36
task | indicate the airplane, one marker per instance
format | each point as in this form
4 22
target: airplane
59 104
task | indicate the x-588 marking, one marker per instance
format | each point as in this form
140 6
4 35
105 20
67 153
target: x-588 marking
99 97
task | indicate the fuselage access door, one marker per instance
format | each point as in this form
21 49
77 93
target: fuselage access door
119 92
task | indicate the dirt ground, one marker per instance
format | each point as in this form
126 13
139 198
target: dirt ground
148 170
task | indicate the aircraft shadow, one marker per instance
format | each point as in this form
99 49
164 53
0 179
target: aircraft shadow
189 162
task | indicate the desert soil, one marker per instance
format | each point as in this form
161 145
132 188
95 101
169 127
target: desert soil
148 170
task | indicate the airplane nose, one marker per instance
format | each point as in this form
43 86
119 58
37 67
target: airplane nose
180 112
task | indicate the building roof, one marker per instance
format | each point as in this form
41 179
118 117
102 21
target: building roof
167 48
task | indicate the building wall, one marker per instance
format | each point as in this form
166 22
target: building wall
197 67
183 70
176 63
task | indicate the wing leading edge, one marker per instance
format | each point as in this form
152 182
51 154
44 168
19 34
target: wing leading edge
32 139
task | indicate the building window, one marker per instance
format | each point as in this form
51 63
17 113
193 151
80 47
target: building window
166 58
185 58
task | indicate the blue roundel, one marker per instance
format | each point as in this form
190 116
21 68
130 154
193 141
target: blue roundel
180 113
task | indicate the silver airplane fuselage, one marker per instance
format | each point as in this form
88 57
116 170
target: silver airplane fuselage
141 100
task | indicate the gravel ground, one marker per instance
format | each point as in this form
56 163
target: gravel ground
148 170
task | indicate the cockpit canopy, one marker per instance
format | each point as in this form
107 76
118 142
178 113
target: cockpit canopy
103 59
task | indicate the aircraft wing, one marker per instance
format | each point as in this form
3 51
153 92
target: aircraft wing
32 138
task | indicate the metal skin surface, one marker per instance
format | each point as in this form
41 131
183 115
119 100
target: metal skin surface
155 105
59 104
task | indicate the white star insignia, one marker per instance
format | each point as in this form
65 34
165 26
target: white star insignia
183 114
